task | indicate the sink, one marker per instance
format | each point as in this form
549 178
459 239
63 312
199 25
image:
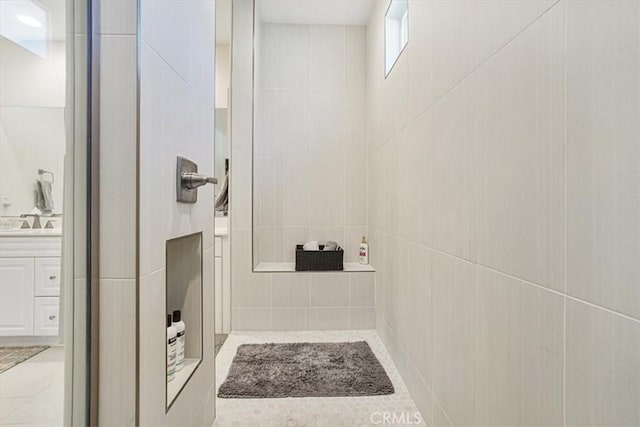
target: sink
11 226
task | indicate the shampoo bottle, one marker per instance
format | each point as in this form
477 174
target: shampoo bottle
364 252
172 338
180 327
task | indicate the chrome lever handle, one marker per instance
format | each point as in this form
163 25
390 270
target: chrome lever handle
192 180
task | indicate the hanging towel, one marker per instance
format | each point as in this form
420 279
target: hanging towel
222 201
44 197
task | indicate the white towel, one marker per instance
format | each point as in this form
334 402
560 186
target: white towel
331 246
44 196
222 201
311 246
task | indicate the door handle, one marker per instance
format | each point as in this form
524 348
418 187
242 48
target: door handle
188 180
191 180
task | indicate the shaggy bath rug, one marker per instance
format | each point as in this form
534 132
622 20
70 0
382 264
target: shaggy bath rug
305 370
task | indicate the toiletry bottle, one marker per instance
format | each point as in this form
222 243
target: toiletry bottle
180 327
172 338
364 252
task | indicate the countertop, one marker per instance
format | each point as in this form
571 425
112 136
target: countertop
43 232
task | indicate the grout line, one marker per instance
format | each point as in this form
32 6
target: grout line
197 94
520 279
144 276
401 347
608 310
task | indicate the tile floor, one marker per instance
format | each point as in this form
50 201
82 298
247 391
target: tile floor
219 342
314 411
32 392
12 356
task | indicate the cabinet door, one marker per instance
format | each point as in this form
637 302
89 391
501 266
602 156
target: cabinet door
218 295
16 296
47 277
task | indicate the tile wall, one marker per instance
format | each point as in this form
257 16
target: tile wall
117 212
292 301
173 73
503 150
310 155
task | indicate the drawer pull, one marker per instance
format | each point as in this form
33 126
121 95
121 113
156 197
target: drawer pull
52 317
53 277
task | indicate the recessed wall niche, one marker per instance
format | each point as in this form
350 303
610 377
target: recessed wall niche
309 145
184 293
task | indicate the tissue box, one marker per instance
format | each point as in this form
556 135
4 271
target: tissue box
319 260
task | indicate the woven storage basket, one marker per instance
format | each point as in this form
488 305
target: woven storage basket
319 260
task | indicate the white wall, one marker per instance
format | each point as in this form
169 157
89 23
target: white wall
223 75
504 210
310 175
32 127
277 301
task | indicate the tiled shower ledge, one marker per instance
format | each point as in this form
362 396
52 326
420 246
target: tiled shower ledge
349 267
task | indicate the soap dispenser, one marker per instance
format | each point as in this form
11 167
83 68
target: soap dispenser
178 323
172 338
363 257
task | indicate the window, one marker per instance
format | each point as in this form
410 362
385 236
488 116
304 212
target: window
396 32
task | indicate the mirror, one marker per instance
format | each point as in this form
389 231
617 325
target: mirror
309 150
33 55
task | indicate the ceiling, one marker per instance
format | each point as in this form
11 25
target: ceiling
32 22
319 12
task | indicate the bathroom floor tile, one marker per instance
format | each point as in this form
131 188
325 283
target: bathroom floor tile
313 411
31 393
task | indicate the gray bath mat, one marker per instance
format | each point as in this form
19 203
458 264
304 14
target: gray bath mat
305 370
11 356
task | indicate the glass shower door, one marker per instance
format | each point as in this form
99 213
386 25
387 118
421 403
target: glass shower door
45 212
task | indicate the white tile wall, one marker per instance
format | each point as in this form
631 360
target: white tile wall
499 305
454 308
603 154
118 17
118 162
117 228
310 174
310 168
603 367
329 290
176 111
521 132
117 325
519 353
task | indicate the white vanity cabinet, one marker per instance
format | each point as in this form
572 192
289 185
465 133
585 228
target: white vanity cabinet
29 285
16 296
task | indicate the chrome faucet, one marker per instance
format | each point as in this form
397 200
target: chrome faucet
36 220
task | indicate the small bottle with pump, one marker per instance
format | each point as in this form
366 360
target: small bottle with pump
180 330
363 257
172 338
